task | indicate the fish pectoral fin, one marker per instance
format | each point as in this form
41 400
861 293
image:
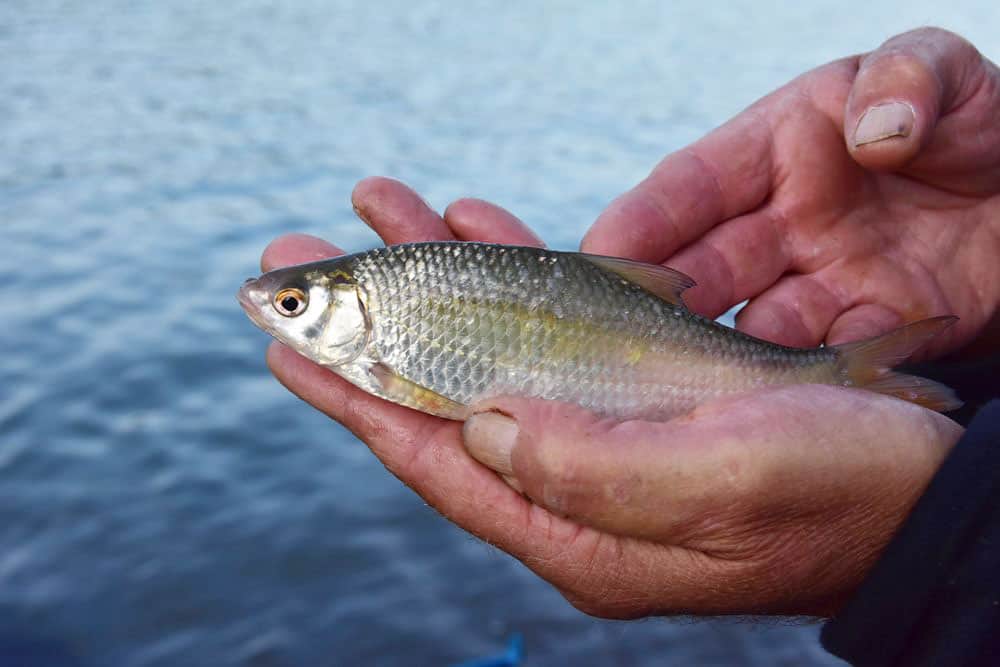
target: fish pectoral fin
665 283
412 395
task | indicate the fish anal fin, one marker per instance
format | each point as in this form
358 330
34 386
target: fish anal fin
867 364
665 283
928 393
406 392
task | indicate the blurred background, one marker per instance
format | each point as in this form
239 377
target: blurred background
163 501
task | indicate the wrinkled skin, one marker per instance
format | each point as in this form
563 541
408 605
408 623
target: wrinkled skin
777 502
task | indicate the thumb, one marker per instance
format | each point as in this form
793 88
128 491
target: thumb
900 92
633 478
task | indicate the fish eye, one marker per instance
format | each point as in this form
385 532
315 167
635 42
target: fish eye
290 301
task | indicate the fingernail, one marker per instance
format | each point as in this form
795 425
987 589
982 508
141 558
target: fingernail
490 438
884 121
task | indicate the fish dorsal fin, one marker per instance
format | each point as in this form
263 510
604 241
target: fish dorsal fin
659 280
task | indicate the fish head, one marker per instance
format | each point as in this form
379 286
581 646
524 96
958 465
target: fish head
316 309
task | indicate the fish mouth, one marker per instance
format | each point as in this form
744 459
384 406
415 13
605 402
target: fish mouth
252 299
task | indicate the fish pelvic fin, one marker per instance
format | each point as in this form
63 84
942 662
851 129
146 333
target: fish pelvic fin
665 283
868 364
406 392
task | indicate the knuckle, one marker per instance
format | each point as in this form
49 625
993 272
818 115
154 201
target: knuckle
914 53
904 65
935 34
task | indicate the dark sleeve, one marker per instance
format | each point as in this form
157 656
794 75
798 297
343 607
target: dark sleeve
934 596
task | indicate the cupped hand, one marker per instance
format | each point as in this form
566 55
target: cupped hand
772 503
863 194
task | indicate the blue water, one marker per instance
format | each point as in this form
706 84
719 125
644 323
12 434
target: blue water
163 501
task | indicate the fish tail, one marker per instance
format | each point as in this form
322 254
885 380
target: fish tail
868 363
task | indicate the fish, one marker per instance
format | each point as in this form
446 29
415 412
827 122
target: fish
439 326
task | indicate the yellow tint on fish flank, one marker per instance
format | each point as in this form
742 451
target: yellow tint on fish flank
570 339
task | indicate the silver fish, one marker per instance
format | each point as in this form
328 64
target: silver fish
439 326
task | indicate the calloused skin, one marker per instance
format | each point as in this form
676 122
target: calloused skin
777 502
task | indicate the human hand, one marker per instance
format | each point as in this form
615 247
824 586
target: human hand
831 234
772 503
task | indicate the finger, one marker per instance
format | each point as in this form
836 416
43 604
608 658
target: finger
478 220
733 262
864 321
726 173
797 312
397 213
904 88
296 249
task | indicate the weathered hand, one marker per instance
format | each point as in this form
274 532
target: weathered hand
831 233
771 503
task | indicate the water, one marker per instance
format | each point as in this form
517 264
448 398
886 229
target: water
162 500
